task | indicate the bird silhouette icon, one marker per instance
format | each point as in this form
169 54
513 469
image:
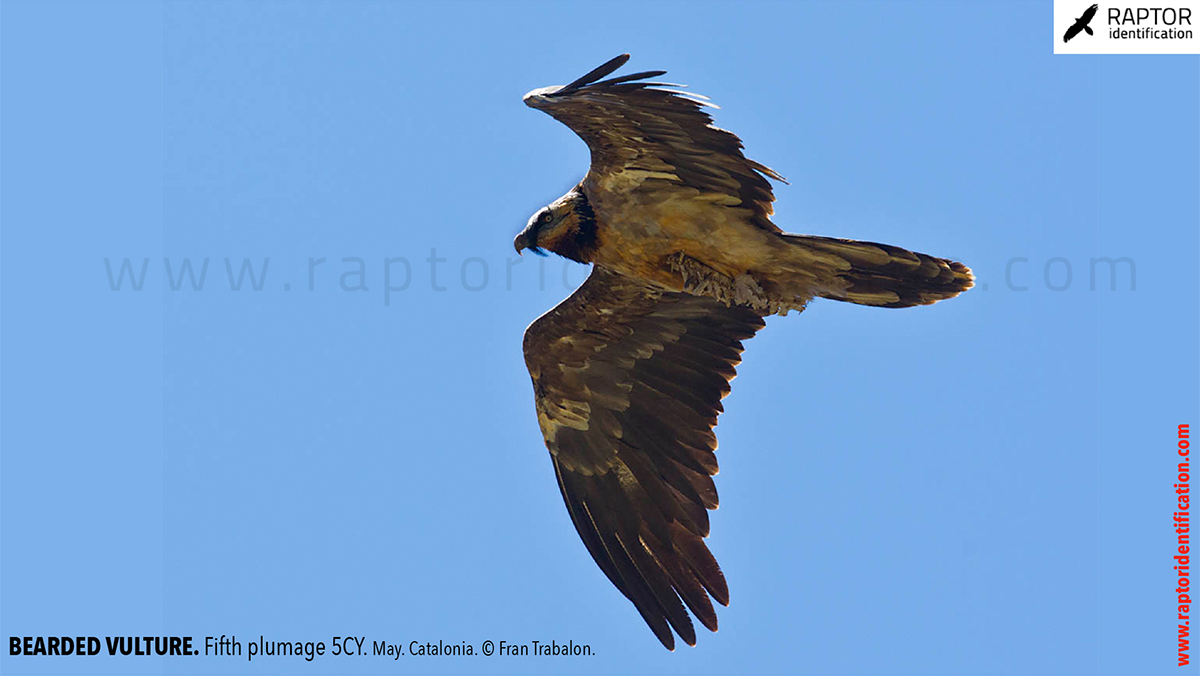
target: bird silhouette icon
1081 24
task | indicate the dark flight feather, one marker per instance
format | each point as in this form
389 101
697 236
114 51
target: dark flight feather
635 76
595 74
628 382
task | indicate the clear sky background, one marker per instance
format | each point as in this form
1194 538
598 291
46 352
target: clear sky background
978 487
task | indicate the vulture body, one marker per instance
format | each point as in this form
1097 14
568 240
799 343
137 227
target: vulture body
629 371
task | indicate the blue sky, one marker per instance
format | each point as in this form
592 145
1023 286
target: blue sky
978 487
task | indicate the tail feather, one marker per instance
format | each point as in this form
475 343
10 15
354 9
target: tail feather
886 276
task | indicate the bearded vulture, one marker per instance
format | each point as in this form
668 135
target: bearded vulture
629 371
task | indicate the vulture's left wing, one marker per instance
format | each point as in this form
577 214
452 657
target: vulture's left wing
628 382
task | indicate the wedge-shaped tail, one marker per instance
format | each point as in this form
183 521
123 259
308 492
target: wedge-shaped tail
883 275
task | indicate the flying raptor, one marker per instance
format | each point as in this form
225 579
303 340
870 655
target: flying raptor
629 371
1081 24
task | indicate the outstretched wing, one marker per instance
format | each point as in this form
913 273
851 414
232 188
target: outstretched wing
645 136
1072 31
1089 14
628 383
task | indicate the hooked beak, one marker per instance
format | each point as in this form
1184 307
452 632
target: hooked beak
523 241
526 240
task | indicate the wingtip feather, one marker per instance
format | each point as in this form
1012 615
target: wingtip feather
603 70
